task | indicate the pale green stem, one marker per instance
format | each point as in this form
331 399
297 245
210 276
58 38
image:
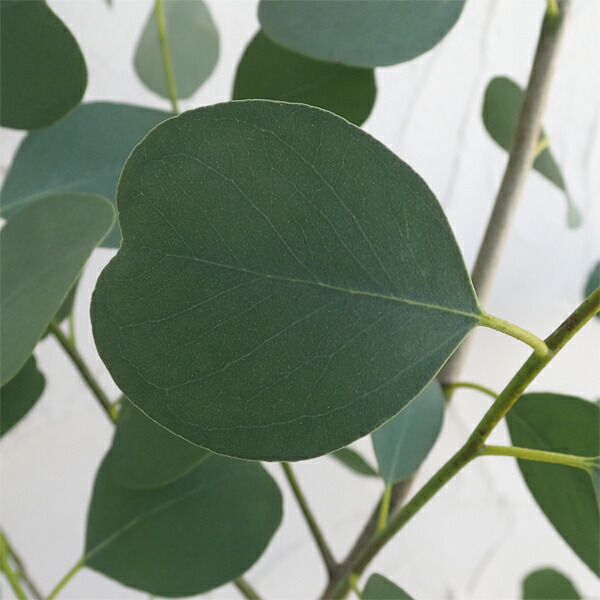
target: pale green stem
20 569
354 585
63 582
553 9
11 575
542 144
538 345
246 589
384 510
164 49
569 460
450 387
72 328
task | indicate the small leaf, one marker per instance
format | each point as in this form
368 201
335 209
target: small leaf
501 108
548 584
193 46
278 293
380 588
272 72
84 152
19 395
145 455
567 495
363 33
354 461
43 71
403 443
187 537
43 250
593 282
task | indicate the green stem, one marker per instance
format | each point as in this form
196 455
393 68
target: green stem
11 575
330 562
384 510
542 144
472 448
354 585
538 345
72 328
20 568
246 589
557 458
553 8
164 49
450 387
63 582
83 369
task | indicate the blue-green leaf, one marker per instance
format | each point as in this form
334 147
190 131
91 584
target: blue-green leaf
380 588
548 584
354 461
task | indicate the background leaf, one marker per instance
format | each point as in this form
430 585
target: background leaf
363 33
593 282
272 72
380 588
567 495
43 250
187 537
145 455
501 108
43 71
84 152
548 584
193 44
403 443
20 394
354 461
277 294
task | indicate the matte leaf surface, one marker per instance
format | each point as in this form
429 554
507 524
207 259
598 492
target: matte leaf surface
84 152
20 394
272 72
193 46
593 282
501 108
285 284
354 461
363 33
145 455
568 496
403 443
43 71
380 588
187 537
548 584
43 250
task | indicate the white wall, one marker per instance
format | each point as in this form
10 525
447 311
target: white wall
482 533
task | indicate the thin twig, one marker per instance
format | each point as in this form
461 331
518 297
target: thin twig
20 568
246 589
164 49
5 567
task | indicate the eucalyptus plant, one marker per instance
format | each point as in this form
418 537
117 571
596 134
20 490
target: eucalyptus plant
282 285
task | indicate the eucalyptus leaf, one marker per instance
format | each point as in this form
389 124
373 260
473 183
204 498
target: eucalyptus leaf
43 249
193 48
501 108
363 33
285 283
568 496
380 588
403 443
20 394
187 537
43 71
548 584
84 152
145 455
272 72
593 282
354 461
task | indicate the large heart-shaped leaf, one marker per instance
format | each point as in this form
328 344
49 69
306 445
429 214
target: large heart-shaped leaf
593 282
43 71
548 584
381 588
146 455
272 72
285 284
501 108
193 48
84 152
403 443
187 537
19 395
43 249
568 496
363 33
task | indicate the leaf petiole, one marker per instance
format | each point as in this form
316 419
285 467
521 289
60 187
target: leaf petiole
558 458
538 345
384 509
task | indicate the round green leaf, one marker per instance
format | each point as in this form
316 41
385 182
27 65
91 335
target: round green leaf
380 588
278 294
354 461
363 33
272 72
403 443
187 537
501 108
19 395
43 71
548 584
145 455
43 249
193 47
84 152
568 496
593 282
